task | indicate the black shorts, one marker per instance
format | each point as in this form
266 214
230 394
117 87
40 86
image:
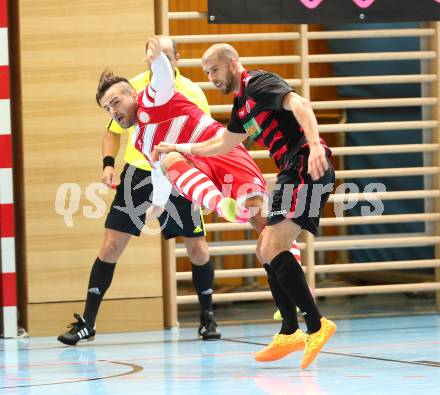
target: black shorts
133 197
297 196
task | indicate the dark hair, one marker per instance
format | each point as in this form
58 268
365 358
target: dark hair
107 80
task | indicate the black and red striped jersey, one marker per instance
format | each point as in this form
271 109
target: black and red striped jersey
258 111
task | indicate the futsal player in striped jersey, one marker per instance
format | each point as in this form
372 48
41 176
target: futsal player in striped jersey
231 185
160 114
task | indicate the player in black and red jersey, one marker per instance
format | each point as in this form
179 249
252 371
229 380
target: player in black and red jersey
269 111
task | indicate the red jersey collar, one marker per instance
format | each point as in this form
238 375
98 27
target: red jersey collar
244 79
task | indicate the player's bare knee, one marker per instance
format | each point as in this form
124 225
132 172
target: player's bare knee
271 247
110 251
264 252
260 256
199 258
197 251
268 252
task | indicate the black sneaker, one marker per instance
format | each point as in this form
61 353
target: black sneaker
208 327
79 331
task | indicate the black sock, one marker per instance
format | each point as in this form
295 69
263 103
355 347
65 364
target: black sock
293 282
203 281
100 279
286 307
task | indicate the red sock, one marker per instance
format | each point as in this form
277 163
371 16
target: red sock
296 252
194 185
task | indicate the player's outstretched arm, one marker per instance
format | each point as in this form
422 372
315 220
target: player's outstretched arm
161 87
220 145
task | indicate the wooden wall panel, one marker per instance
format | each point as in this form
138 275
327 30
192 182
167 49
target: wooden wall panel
64 46
116 315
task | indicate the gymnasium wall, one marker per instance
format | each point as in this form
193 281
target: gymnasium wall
62 47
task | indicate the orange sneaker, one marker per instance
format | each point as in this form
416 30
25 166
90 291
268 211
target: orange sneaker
281 346
316 341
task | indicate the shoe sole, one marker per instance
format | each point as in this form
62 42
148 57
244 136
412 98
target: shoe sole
211 337
330 335
67 343
276 357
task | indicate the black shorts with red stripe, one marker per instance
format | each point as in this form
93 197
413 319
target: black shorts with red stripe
297 196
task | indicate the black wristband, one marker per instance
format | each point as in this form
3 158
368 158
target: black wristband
108 161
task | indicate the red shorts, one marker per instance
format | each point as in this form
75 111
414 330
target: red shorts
235 174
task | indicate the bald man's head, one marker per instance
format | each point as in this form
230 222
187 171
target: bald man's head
222 65
223 52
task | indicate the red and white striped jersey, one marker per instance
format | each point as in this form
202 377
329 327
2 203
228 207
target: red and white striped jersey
177 121
165 115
